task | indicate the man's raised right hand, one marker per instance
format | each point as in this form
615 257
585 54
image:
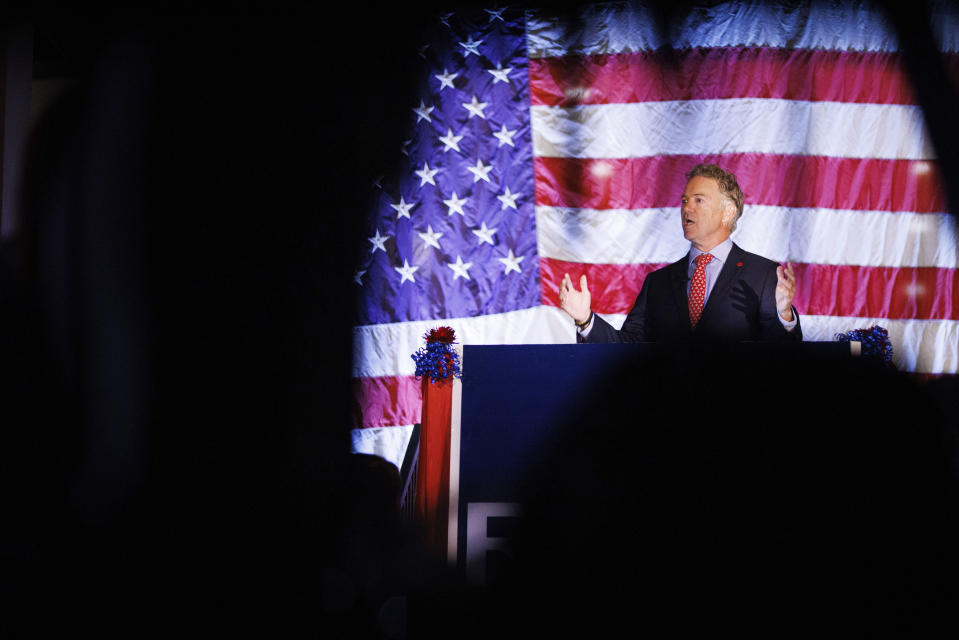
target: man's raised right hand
575 303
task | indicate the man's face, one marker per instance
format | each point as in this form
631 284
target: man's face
705 213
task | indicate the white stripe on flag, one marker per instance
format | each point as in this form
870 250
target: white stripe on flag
749 125
389 443
922 346
812 236
385 349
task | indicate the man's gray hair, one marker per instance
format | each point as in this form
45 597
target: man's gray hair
728 187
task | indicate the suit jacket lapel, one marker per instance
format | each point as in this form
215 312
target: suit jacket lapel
727 277
677 279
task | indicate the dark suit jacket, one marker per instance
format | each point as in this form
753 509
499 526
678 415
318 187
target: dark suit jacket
741 306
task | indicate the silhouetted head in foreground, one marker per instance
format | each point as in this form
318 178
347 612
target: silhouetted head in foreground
705 490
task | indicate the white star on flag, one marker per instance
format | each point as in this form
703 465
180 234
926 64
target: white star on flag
446 19
455 205
446 79
484 234
426 174
495 14
423 112
430 237
358 277
480 171
508 199
450 141
379 242
406 272
511 262
505 136
500 74
460 268
476 108
471 46
403 208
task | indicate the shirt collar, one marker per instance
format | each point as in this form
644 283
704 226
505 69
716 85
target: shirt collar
720 252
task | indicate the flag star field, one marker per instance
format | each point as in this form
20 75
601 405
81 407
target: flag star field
461 200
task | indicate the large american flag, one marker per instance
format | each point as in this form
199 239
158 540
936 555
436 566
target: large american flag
544 144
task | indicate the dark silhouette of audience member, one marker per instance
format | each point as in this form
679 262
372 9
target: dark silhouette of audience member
175 356
704 492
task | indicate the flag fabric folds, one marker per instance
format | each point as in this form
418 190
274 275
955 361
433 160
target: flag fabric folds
544 145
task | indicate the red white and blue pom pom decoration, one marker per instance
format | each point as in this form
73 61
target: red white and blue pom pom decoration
438 360
875 343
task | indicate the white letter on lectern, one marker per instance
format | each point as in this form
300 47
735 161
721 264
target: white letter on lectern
477 542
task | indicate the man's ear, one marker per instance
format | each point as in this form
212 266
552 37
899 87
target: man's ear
729 212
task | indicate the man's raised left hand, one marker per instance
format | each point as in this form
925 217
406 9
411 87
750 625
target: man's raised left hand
785 291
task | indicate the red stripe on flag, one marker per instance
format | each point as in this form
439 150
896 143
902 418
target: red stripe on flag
925 293
718 73
613 287
931 378
386 401
869 184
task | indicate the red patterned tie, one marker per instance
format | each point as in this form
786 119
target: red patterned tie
697 289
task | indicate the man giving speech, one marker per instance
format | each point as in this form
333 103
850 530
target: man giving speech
715 292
